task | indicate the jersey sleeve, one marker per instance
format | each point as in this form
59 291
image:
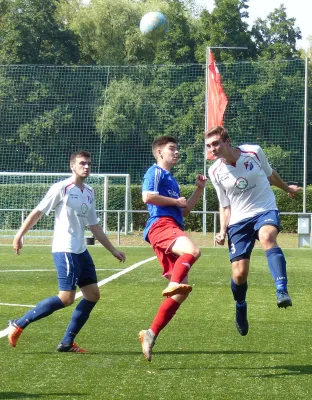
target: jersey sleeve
264 162
151 180
222 197
54 195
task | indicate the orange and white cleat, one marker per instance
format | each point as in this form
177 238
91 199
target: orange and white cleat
15 332
178 288
147 339
73 348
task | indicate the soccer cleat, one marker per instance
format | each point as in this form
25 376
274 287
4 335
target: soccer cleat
147 342
241 318
72 348
179 288
283 299
15 332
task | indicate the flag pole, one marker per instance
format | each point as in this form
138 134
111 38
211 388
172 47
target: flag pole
208 49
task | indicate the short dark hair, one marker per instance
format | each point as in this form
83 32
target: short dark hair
218 130
162 141
80 153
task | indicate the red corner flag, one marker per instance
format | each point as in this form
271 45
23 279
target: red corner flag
217 100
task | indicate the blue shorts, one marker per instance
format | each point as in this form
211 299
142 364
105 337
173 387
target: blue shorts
74 270
242 236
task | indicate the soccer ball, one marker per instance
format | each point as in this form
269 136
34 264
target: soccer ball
154 25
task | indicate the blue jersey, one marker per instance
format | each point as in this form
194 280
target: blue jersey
160 181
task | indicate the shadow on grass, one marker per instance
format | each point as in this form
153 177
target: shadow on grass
23 395
168 352
291 370
212 352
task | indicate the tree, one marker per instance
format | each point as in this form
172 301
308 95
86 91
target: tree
31 34
225 27
103 27
276 36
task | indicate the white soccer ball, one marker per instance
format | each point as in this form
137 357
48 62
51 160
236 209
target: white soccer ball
154 25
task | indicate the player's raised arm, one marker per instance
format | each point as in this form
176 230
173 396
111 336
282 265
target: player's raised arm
277 181
196 195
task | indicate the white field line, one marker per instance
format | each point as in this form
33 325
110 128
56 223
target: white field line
5 331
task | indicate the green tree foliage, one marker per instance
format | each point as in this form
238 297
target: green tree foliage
276 36
46 111
31 34
103 27
165 100
225 26
178 46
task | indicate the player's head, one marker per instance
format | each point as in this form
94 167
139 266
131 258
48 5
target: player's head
80 163
217 141
165 150
219 131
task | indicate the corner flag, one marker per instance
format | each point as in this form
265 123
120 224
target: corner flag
217 100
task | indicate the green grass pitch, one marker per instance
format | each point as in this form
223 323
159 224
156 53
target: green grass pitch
199 355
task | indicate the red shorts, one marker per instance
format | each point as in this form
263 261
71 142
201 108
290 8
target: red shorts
162 235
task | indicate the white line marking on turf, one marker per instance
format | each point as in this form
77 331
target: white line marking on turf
5 331
17 305
115 276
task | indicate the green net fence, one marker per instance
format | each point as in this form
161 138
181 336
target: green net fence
115 112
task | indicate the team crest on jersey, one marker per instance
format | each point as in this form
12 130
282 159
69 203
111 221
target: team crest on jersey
248 165
241 183
84 208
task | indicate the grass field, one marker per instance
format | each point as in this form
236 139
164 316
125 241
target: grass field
198 356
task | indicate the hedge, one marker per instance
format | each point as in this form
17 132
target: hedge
12 195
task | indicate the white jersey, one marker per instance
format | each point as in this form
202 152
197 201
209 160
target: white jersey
244 185
74 210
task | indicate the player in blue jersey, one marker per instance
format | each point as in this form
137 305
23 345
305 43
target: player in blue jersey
74 205
164 231
248 212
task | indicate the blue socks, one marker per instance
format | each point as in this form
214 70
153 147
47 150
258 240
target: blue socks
41 310
277 265
239 291
79 318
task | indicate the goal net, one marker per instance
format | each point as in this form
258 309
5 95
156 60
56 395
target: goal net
21 192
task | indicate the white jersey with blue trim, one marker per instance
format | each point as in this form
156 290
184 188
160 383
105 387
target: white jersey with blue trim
74 210
160 181
244 185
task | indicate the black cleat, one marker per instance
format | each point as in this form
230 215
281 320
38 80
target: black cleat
73 348
241 318
283 299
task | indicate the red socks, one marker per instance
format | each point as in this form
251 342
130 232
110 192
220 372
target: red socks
181 267
166 312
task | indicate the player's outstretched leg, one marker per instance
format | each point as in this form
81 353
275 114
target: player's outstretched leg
277 264
79 318
165 313
41 310
14 332
239 294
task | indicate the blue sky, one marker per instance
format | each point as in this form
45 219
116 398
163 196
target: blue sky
298 9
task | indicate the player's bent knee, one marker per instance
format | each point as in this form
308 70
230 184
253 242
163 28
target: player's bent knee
67 301
197 253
